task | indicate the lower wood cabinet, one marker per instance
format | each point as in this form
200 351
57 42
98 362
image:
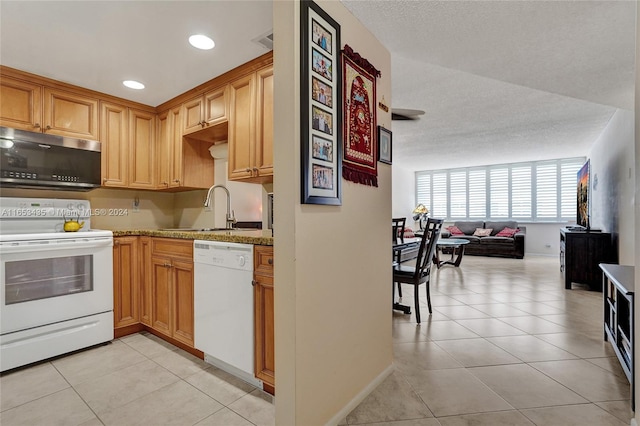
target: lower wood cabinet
126 289
264 316
144 261
171 296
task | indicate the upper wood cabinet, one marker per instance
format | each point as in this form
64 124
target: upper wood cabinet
264 123
251 127
21 105
33 107
141 149
206 110
182 162
114 136
68 114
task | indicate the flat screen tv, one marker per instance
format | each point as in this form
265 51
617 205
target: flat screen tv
582 217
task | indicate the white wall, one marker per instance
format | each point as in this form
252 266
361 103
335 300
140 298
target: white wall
613 183
332 263
246 202
636 232
403 199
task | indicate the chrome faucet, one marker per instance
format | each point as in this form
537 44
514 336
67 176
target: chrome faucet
231 220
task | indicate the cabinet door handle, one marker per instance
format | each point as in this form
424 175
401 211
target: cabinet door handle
36 126
270 261
253 283
176 180
47 128
248 170
164 183
255 169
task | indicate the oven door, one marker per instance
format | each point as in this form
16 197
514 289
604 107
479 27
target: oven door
48 281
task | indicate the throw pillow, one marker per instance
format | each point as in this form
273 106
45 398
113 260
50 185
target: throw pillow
408 233
454 230
480 232
507 232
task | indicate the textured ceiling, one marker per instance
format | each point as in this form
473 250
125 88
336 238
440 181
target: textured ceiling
499 81
503 81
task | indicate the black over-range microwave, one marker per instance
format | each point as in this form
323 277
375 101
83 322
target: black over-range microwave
40 160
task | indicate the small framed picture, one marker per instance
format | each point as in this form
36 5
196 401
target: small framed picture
384 145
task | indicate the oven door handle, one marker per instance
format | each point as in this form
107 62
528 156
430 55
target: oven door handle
36 246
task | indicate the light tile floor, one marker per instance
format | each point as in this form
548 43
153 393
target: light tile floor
506 345
135 380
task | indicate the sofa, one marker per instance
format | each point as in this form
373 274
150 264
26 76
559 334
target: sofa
492 244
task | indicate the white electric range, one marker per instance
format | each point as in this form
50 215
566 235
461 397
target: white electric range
56 287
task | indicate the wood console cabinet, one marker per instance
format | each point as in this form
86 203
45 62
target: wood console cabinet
580 254
264 318
618 289
172 288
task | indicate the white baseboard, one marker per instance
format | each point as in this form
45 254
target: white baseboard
340 415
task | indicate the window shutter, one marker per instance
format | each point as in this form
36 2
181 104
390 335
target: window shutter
499 192
478 193
458 194
546 191
521 192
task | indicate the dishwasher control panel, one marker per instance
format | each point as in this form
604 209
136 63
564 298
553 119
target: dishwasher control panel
223 254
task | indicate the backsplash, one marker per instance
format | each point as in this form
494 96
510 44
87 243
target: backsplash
114 208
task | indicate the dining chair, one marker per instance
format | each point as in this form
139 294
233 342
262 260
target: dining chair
421 272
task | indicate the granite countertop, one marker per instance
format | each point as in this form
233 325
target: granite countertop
246 236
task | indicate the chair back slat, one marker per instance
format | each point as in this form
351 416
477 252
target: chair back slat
427 246
398 225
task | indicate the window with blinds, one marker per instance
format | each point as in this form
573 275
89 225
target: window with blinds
541 191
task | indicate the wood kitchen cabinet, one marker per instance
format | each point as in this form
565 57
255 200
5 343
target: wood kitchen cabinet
69 114
251 127
126 288
146 288
21 106
264 316
172 288
206 110
183 163
30 106
114 136
141 149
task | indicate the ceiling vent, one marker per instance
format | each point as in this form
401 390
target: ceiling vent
265 40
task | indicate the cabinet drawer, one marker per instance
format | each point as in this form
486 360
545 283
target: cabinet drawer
263 260
172 247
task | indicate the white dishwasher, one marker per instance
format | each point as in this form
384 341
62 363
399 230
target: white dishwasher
223 307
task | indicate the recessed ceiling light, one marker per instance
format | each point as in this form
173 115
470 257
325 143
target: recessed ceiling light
201 42
132 84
